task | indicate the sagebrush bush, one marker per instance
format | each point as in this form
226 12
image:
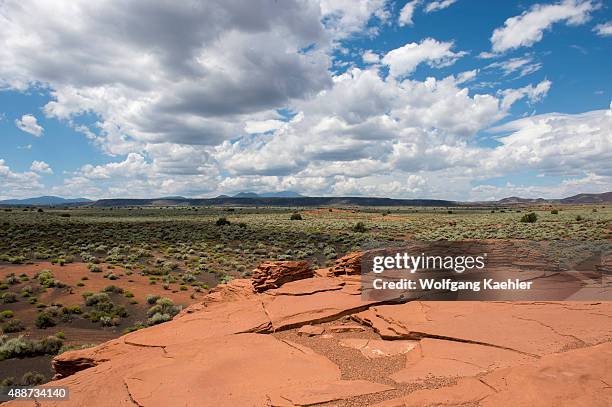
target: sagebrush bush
32 379
44 320
163 310
14 325
20 347
360 227
529 218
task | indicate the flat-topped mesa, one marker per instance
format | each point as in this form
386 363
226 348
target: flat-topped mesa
347 265
273 274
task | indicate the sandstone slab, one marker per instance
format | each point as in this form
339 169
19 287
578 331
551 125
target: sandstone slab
273 274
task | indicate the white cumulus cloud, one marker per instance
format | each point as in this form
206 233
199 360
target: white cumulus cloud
404 60
41 167
29 124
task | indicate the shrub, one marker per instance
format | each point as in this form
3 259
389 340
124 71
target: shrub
113 289
6 314
579 218
152 299
20 347
8 297
61 335
296 216
529 218
44 320
45 278
163 310
12 279
555 211
14 325
95 299
158 318
360 227
222 222
94 269
32 379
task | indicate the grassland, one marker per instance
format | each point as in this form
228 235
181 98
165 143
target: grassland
84 275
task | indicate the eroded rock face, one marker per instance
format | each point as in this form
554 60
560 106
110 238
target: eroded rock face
273 274
230 350
347 265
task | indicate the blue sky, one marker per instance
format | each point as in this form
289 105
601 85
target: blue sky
446 99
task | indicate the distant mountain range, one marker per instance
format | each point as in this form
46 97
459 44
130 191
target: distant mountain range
45 201
290 198
605 197
279 194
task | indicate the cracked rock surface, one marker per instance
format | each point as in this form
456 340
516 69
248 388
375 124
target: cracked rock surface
242 347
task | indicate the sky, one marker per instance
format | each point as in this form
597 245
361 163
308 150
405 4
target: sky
449 99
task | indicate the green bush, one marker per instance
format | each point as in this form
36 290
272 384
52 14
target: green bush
555 211
6 314
360 227
529 218
163 310
152 299
46 279
296 216
44 320
95 299
32 379
20 347
14 325
8 298
113 289
94 268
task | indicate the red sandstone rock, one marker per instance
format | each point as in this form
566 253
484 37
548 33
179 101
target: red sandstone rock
349 264
310 330
578 377
345 328
273 274
441 358
529 328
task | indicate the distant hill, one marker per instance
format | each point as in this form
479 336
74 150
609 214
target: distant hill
281 194
44 201
516 200
605 197
246 195
172 197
